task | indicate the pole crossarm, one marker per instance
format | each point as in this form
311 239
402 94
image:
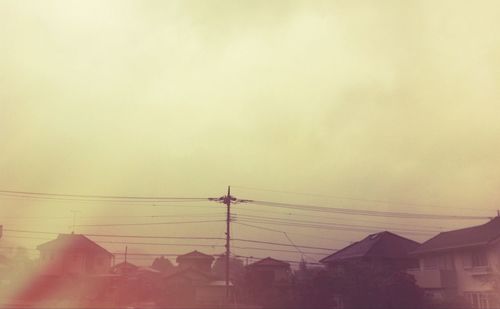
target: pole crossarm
225 199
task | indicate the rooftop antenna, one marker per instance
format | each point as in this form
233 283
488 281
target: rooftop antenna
74 220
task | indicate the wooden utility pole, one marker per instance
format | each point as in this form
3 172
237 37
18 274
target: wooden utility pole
74 220
227 201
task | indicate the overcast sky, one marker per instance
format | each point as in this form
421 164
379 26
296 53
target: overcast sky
386 100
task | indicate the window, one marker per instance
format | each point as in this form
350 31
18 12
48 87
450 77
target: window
478 300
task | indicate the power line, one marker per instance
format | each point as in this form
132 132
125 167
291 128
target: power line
348 211
388 202
295 214
119 197
158 244
108 202
277 244
176 244
119 235
326 227
331 224
288 261
145 255
150 223
295 233
112 216
168 237
297 248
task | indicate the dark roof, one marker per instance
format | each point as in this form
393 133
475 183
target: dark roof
73 242
479 235
194 255
380 245
269 262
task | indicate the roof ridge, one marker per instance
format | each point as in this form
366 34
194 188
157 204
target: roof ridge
378 237
338 251
481 234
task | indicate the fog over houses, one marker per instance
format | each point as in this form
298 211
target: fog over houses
457 268
249 154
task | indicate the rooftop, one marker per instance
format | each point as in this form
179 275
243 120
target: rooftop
73 242
479 235
194 255
269 262
380 245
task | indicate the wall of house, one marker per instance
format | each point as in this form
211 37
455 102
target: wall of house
270 275
473 268
470 277
73 263
202 265
282 275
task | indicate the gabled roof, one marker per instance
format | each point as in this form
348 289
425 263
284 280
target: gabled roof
479 235
380 245
66 242
194 255
269 262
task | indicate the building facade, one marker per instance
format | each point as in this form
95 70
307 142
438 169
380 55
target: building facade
464 263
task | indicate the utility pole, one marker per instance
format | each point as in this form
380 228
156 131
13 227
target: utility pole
227 201
126 249
74 220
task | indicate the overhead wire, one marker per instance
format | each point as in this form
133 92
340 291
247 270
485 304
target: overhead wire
358 199
331 223
323 226
170 237
149 223
105 197
349 211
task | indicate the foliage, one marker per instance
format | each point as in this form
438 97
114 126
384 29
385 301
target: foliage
360 285
162 264
237 268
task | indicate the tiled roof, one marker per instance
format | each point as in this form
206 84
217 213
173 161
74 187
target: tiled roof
379 245
194 255
73 242
462 238
269 262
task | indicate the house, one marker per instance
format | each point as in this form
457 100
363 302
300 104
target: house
464 262
384 249
269 283
73 254
124 268
193 287
67 263
269 272
196 260
134 284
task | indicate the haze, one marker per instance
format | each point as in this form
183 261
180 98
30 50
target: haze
393 100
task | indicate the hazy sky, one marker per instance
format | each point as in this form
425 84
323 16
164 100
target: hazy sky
386 100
